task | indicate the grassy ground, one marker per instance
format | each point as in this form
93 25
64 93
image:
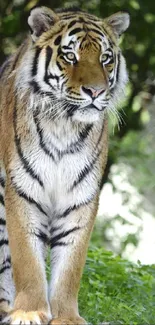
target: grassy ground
117 291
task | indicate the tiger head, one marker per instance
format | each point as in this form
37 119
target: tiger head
76 61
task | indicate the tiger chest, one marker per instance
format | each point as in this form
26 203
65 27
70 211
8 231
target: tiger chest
58 170
72 180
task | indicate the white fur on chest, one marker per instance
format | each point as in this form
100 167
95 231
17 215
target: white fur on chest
59 179
59 175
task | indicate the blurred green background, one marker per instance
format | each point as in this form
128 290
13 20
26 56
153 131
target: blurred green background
129 180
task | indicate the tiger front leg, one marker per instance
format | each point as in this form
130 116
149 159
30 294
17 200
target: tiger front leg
27 256
69 244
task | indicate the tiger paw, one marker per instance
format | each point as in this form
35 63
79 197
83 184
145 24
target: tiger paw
2 315
20 317
63 321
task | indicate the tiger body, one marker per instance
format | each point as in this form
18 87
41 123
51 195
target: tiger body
55 93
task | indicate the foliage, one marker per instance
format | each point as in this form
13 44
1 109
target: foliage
117 291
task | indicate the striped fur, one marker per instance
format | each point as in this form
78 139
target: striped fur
55 95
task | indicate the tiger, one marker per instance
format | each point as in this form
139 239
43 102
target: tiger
55 95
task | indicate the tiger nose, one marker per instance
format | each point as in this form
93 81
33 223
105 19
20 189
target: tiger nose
92 92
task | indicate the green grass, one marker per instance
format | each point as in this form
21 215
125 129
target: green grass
117 291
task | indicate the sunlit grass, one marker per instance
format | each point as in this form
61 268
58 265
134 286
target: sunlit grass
116 291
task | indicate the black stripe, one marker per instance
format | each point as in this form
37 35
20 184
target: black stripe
93 24
69 17
73 148
96 31
3 242
4 290
25 162
23 159
1 199
118 67
2 182
3 269
51 76
72 15
68 211
75 31
59 66
58 40
111 61
71 43
71 109
75 207
76 98
87 169
72 23
28 198
94 41
43 225
38 90
59 51
54 240
7 260
41 141
59 244
48 38
53 229
49 53
35 62
2 222
65 47
42 236
78 145
73 92
111 82
35 86
83 41
4 300
31 200
90 17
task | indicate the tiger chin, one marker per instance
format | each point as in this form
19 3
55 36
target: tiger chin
55 91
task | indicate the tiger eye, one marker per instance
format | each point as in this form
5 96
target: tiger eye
105 57
70 56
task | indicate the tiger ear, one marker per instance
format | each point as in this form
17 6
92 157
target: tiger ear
119 22
40 20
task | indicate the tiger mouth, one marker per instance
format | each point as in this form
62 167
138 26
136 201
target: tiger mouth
92 106
83 109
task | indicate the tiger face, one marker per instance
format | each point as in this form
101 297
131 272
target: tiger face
77 62
83 80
